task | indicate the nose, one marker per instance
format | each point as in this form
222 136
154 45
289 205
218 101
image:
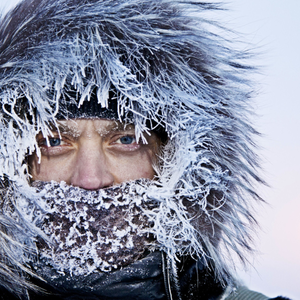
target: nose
91 171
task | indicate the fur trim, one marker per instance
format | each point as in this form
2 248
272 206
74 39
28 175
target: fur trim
167 65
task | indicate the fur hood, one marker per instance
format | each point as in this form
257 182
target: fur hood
170 69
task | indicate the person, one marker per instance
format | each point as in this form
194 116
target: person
127 154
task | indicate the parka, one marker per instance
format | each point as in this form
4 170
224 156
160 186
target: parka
165 66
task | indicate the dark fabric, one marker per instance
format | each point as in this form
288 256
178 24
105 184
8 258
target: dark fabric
69 108
143 280
280 298
191 288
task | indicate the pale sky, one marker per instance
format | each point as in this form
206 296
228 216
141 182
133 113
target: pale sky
273 28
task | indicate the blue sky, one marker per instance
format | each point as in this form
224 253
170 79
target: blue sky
273 28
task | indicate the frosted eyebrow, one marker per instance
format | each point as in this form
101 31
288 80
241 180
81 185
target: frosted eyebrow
115 127
118 126
66 129
72 130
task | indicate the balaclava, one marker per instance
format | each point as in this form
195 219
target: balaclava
160 65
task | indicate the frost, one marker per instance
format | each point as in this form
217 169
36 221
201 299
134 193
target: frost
88 231
167 75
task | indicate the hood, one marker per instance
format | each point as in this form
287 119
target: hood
169 68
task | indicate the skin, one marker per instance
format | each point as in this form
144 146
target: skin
93 154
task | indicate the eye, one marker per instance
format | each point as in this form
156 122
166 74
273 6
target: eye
127 139
54 142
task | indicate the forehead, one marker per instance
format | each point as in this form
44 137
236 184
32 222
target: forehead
78 126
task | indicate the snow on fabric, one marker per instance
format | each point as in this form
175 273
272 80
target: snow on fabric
170 70
89 230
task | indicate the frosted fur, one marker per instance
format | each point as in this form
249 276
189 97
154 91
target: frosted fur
167 65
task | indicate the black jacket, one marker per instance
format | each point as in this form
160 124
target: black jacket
146 279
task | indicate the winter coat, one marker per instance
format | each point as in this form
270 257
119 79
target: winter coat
145 280
164 66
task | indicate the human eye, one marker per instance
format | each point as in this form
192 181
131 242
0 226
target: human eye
126 140
51 142
54 145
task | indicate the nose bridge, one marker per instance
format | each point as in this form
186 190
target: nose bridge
92 171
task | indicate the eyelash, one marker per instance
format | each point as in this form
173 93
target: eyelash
48 147
125 138
54 140
47 142
44 142
57 145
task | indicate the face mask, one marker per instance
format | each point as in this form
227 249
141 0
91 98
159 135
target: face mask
68 230
84 231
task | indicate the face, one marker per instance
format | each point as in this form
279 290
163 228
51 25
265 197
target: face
93 154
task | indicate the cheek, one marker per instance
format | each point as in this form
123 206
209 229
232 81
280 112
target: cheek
143 169
34 167
47 170
132 168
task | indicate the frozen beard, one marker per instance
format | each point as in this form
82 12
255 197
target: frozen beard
89 230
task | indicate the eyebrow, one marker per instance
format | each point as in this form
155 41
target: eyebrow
65 129
114 127
68 129
118 126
